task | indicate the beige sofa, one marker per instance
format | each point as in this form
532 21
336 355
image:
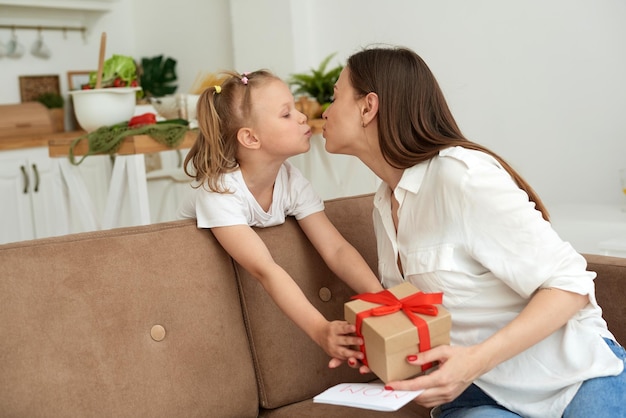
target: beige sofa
158 321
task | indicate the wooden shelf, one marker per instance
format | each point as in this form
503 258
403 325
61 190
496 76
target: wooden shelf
38 140
79 5
139 144
317 125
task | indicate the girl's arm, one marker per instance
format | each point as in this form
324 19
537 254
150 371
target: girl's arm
247 248
340 256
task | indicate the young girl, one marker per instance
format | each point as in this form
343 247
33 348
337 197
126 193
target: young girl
249 126
527 338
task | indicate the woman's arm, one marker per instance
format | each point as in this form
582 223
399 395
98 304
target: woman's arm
548 310
340 256
505 234
247 248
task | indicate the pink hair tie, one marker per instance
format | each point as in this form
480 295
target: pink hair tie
244 78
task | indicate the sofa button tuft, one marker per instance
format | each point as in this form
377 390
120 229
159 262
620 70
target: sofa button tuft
157 333
325 294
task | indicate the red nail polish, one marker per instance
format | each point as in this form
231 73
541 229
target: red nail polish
351 362
388 388
411 357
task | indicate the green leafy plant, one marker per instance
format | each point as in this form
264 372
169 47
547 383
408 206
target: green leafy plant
157 76
318 83
117 71
51 100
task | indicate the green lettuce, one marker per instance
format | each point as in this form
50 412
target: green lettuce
118 66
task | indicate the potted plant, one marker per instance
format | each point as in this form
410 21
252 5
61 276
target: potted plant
54 102
157 76
316 87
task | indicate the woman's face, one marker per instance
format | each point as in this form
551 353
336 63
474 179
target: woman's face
343 127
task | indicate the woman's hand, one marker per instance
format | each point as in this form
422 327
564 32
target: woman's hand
458 368
548 310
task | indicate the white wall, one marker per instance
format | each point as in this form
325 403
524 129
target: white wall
541 83
70 51
195 33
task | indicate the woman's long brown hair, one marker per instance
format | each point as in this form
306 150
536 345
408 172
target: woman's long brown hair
414 119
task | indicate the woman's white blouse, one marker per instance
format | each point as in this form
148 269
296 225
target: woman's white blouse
467 230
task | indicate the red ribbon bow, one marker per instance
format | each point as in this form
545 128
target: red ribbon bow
423 303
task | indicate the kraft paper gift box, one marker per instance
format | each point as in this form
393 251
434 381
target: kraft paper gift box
389 334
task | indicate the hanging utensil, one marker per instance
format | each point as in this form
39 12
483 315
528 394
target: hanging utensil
39 48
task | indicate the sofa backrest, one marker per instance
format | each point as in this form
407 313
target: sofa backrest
158 321
290 366
611 291
134 322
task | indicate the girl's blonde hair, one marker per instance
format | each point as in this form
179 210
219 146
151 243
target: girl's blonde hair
222 111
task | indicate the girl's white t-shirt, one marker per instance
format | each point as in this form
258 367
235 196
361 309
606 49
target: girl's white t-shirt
293 196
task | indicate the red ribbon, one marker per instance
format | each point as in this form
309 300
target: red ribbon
423 303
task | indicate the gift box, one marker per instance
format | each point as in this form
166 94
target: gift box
395 323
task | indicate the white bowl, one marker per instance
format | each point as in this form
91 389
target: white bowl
95 108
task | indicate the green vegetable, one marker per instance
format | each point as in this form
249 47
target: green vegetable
117 67
178 121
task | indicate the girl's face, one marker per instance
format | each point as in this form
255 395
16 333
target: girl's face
343 125
281 129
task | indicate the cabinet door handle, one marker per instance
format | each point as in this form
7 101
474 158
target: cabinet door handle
36 177
25 176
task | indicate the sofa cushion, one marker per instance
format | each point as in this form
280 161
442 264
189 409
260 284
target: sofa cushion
133 322
290 366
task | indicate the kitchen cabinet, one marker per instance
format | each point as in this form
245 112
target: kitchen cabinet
42 194
127 199
35 198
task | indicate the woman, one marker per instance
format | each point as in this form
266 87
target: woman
450 216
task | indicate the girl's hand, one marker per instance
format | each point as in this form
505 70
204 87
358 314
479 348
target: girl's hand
352 362
337 339
458 368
